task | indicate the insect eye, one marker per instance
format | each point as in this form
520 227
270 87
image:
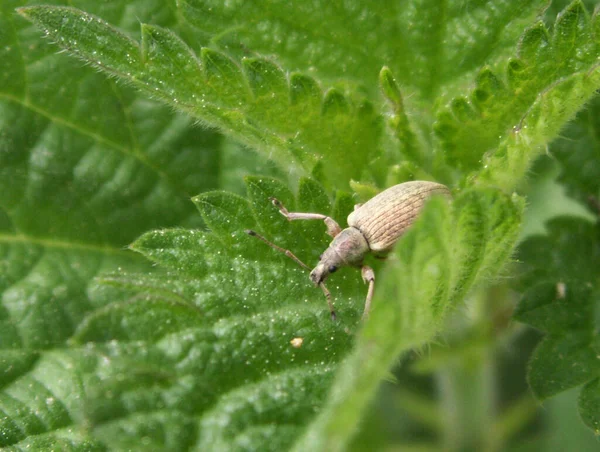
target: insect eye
332 269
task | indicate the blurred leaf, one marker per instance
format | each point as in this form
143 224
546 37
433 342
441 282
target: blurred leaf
256 104
217 345
589 405
578 152
560 271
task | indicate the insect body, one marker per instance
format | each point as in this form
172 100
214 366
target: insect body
373 227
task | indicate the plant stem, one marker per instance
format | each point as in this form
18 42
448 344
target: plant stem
467 389
468 403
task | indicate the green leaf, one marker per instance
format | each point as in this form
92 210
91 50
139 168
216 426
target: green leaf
254 108
563 362
254 326
142 319
254 415
86 166
228 249
545 259
226 343
546 307
227 215
428 264
354 36
79 179
63 440
551 79
589 405
564 303
578 151
542 89
399 122
166 334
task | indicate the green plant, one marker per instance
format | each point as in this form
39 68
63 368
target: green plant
101 350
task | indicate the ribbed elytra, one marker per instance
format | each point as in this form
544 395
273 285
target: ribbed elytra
384 218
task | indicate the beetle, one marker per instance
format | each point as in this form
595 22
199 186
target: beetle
373 227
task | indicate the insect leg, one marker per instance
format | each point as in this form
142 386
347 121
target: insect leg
329 302
368 276
333 228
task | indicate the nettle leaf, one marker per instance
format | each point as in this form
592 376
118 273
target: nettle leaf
228 248
166 356
450 249
578 151
508 117
561 274
514 106
354 36
287 119
86 166
227 344
257 103
432 51
212 343
219 345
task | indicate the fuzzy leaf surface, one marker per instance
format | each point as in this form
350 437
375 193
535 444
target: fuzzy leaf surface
252 387
225 343
428 46
553 74
86 166
251 99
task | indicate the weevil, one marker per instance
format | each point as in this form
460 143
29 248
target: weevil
373 227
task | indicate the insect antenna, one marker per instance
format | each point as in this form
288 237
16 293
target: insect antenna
288 253
291 255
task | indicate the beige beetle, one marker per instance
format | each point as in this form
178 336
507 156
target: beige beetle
373 227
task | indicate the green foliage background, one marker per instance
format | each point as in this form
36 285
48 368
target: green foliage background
135 314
